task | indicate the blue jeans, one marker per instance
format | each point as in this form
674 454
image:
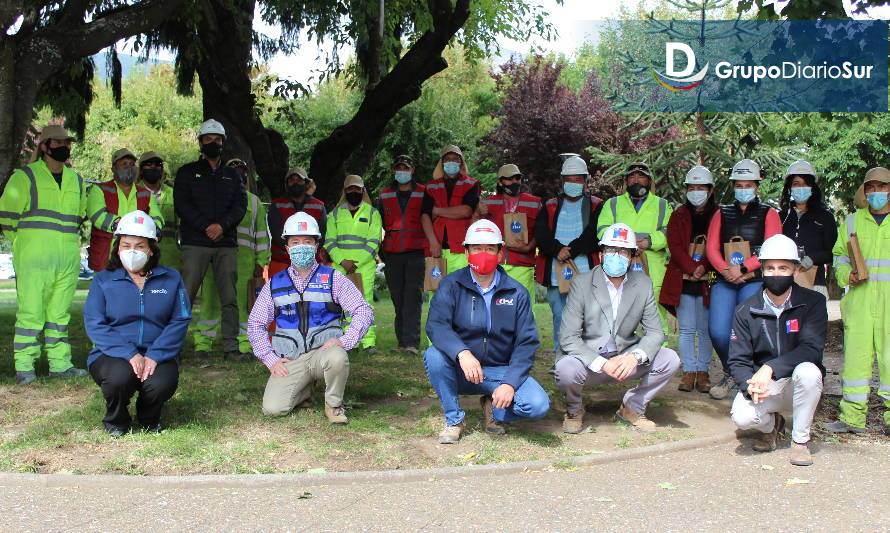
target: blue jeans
557 303
725 296
693 319
529 400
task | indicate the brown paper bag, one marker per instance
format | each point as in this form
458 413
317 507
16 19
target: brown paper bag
565 273
736 251
696 251
356 279
435 271
807 278
856 258
515 229
640 263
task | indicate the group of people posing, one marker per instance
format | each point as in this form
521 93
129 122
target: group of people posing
742 279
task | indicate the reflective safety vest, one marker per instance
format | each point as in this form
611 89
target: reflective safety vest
103 220
285 208
402 229
353 236
170 232
551 205
304 320
457 227
253 233
528 204
874 241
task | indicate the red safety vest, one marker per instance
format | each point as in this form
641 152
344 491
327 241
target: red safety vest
286 208
457 227
100 241
528 204
402 229
551 205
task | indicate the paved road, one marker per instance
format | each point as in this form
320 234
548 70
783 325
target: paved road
719 488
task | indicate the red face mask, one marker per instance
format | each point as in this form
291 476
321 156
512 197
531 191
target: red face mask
483 262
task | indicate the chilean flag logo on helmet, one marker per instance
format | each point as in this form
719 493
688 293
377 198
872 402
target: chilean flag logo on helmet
302 226
619 233
140 220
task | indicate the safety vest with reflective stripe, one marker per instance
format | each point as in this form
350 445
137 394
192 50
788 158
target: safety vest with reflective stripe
457 227
651 219
304 320
528 204
874 241
353 235
104 216
285 208
402 229
35 206
252 231
169 233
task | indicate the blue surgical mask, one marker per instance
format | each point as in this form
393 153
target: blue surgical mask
697 198
745 196
451 168
302 255
403 176
615 265
877 200
801 194
573 190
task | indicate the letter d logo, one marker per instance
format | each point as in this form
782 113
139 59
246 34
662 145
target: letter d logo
679 80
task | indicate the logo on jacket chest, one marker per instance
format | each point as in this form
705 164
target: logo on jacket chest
504 301
792 326
158 291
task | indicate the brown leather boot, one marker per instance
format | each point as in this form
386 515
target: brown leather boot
687 382
702 382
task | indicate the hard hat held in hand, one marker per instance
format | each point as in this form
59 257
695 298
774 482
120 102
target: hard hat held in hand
300 224
779 247
619 236
574 166
483 232
699 175
211 127
137 224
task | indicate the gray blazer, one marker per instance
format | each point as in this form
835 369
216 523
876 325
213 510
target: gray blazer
587 317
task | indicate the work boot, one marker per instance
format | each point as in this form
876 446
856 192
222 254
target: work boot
153 429
70 373
336 415
370 350
235 355
635 419
725 388
573 423
703 382
800 454
839 426
25 378
767 442
115 431
451 434
412 350
687 382
488 422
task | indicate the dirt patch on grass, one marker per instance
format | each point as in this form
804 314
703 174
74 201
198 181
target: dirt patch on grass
21 404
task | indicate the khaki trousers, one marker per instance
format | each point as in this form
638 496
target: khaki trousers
284 393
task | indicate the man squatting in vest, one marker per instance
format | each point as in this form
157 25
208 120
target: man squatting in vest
306 301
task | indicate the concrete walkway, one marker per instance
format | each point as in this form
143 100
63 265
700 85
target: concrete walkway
718 488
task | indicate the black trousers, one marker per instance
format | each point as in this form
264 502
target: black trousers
118 382
404 276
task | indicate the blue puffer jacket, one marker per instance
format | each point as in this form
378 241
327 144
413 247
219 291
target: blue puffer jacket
122 321
458 321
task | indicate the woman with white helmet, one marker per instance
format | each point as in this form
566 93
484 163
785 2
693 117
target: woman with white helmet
137 314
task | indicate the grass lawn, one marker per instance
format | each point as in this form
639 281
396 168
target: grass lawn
215 425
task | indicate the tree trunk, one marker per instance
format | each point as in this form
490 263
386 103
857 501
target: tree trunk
396 90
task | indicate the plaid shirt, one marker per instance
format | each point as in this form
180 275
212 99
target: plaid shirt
344 293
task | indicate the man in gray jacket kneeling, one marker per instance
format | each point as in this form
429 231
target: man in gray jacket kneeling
603 311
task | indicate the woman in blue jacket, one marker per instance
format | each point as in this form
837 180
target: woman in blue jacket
136 314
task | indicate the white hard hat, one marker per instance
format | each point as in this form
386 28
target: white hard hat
300 224
699 175
483 231
745 170
574 166
800 168
620 236
779 247
211 127
137 224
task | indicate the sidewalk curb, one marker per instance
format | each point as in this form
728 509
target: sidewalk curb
347 478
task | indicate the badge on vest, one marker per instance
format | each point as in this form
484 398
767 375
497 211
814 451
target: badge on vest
792 326
324 278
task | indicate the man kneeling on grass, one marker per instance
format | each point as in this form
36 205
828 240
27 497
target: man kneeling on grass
484 339
775 353
306 302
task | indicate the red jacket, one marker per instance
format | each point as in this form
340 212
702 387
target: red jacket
679 237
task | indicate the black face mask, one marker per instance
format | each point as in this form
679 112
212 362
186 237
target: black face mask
211 150
355 198
296 190
637 191
512 189
778 284
152 175
59 153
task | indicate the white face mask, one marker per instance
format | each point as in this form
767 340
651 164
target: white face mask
133 260
697 198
